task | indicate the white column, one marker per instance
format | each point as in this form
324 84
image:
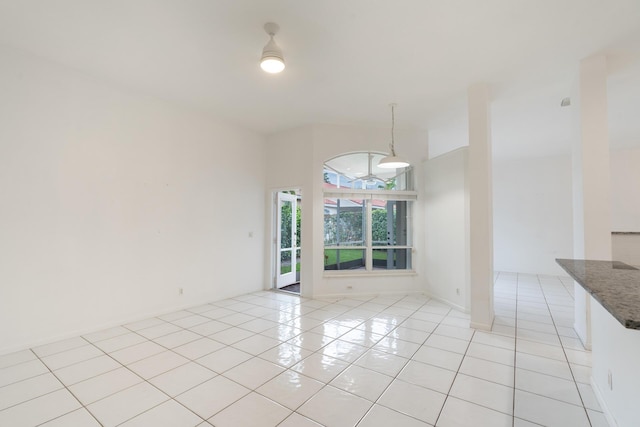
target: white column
480 208
591 180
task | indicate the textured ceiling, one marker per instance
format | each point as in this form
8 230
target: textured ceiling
347 59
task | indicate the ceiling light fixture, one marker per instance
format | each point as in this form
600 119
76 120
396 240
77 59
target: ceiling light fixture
392 161
272 59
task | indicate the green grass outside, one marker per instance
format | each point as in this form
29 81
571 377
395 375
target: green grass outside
330 255
287 268
345 256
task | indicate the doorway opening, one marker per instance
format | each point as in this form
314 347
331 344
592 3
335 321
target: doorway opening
288 205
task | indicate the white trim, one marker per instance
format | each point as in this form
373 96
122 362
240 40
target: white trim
368 260
121 321
370 247
365 273
285 279
361 294
603 404
581 337
392 247
450 304
480 326
350 193
345 247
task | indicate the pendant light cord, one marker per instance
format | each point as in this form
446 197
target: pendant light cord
393 125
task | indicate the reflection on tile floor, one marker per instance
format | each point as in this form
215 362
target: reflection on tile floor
273 359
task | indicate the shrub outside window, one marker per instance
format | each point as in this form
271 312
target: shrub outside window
367 219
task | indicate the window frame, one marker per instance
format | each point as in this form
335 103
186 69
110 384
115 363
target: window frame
368 196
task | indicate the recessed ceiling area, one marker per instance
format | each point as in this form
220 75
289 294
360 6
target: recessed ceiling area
346 61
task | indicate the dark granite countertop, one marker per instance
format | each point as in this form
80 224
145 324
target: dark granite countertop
613 284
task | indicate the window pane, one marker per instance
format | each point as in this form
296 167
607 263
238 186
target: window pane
404 181
392 259
389 222
357 226
285 224
344 259
344 222
373 183
361 171
351 166
285 261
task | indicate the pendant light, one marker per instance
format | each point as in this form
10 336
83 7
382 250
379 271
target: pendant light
272 60
392 161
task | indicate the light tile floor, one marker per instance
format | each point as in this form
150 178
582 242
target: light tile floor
273 359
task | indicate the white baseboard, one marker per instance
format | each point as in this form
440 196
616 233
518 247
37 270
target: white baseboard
583 340
88 330
605 409
450 304
365 294
480 326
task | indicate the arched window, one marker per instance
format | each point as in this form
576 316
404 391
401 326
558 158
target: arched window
361 171
367 214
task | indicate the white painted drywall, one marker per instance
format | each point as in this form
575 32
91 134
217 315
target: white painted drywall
625 190
532 214
591 179
296 160
615 349
625 204
447 228
332 140
480 181
289 156
111 201
626 248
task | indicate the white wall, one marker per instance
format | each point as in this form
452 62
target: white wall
447 228
615 347
532 214
289 155
625 205
625 190
626 248
292 167
110 202
615 350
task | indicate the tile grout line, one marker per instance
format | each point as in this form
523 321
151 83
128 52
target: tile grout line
566 360
127 367
26 378
222 374
37 357
333 339
575 383
394 378
32 398
69 391
515 341
353 363
454 379
295 411
144 380
456 374
286 369
173 398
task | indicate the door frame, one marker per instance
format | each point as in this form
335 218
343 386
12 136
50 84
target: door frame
276 282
